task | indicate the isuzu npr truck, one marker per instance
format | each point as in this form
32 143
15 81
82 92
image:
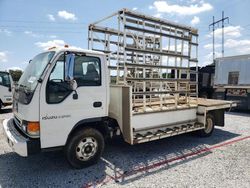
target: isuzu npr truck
75 99
5 89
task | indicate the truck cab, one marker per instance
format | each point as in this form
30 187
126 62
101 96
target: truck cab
5 89
47 110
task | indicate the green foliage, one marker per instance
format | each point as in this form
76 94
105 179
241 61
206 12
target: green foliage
15 74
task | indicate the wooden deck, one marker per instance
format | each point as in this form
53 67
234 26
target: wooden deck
213 102
168 105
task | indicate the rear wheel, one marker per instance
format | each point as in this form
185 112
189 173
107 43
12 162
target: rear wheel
84 148
209 127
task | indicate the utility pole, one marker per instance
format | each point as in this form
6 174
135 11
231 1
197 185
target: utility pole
222 27
213 41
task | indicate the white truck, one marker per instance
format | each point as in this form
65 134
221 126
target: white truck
66 99
232 80
5 89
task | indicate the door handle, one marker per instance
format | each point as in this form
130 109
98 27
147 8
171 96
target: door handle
97 104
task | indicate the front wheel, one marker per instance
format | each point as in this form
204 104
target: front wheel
84 148
209 127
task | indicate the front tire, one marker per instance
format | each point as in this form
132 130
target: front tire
84 148
209 127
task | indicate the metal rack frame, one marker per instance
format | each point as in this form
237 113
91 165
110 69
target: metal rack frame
158 58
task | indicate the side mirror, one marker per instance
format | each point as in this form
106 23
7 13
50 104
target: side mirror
73 85
69 67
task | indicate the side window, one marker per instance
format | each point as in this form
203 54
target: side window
205 78
57 88
58 72
212 80
233 78
5 80
87 71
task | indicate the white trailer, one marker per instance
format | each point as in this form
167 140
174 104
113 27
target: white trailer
65 98
232 80
5 89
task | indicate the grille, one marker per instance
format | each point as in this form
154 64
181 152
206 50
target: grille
17 121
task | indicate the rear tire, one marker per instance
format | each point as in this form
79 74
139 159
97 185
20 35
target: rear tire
84 148
209 127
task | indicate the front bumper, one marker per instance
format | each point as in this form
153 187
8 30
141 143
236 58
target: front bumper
20 144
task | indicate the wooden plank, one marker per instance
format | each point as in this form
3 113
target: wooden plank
156 33
154 66
211 102
163 53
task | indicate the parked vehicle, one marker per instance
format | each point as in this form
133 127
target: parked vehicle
5 89
232 80
206 81
64 98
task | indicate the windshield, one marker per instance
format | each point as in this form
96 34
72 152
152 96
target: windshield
34 70
4 79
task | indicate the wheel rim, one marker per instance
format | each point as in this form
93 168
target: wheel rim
209 125
86 148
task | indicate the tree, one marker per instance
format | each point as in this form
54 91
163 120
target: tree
15 74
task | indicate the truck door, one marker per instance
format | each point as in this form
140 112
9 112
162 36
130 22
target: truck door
59 110
5 88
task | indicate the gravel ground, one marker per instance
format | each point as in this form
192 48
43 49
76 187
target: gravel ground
217 166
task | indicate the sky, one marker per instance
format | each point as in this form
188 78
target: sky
27 27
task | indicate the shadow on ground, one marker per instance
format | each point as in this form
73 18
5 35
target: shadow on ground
244 113
51 169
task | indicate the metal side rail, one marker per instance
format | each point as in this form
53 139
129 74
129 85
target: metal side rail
140 137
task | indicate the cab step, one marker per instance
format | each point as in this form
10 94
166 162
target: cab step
145 136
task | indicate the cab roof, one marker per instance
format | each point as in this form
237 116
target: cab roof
74 49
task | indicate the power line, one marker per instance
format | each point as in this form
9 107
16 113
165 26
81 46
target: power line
40 27
44 31
223 19
43 22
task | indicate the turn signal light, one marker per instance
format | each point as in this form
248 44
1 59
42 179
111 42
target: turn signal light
33 128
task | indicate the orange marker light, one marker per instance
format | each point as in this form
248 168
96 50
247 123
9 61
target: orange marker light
33 128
